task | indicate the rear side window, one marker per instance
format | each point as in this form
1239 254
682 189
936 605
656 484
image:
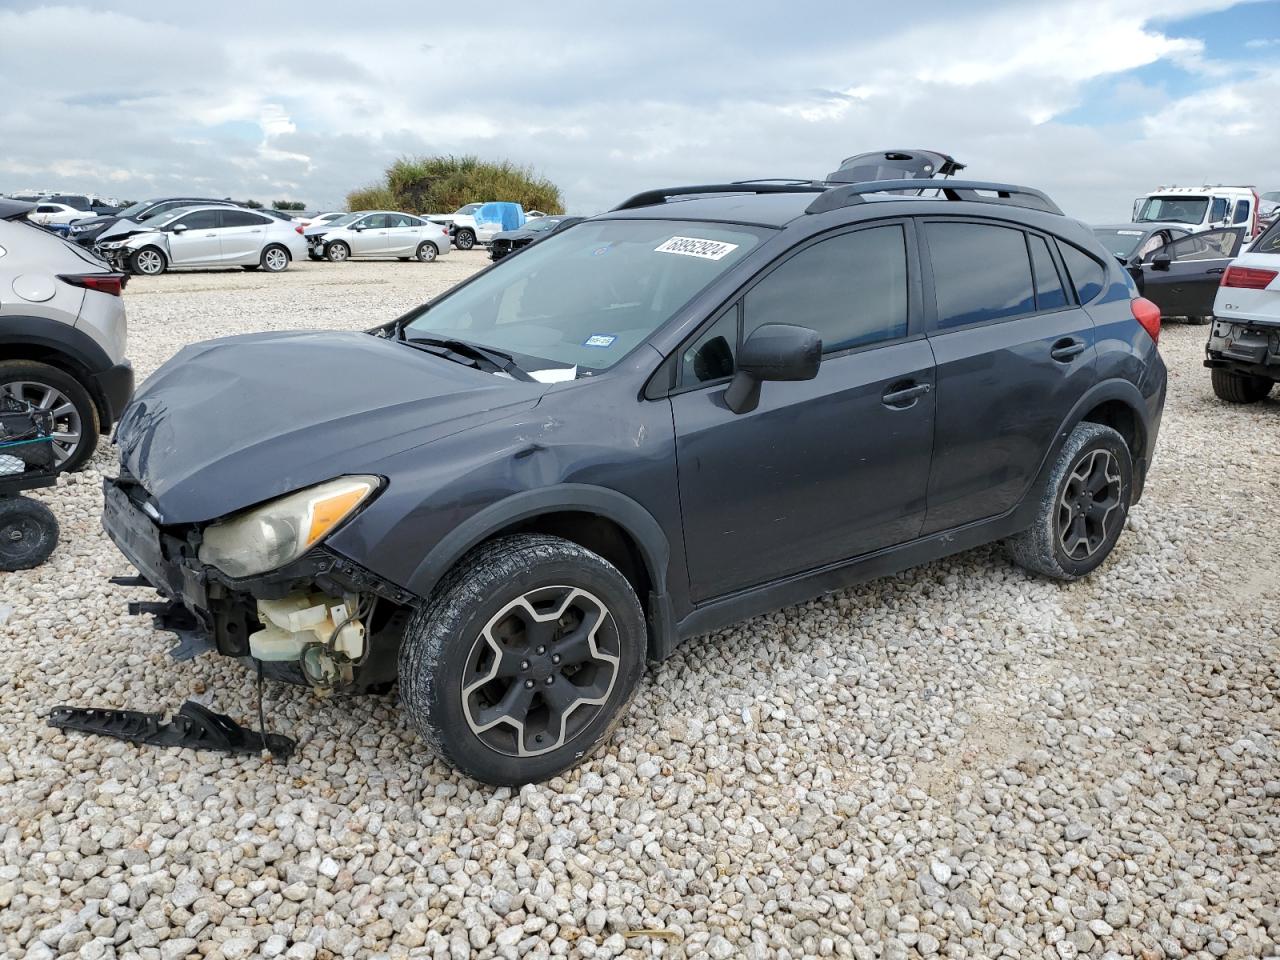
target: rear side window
1269 242
1049 292
242 218
1087 275
851 289
980 273
1242 212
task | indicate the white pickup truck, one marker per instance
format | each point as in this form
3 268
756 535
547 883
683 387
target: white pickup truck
465 232
1201 208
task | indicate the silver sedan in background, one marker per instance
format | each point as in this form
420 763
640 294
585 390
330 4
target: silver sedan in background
206 236
378 233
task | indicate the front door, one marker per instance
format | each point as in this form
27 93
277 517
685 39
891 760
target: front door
199 243
1182 277
1014 354
369 236
821 470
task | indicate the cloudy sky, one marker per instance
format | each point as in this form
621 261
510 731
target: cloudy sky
1096 102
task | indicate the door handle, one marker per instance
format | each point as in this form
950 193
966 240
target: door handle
1213 272
1067 349
904 394
210 234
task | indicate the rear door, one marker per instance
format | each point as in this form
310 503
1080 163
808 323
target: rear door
1014 353
243 235
199 244
403 234
1196 264
821 470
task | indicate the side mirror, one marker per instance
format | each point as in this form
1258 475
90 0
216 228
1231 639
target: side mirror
774 351
180 228
358 228
1161 261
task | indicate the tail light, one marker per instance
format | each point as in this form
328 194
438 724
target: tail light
298 227
112 283
1251 278
1148 316
445 232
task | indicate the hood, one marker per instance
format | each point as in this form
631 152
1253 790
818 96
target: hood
229 423
121 228
101 220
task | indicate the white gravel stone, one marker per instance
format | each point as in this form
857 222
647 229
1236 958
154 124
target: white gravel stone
989 755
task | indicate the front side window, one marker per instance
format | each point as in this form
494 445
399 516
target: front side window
1087 274
585 297
980 273
1219 211
377 221
1242 212
199 220
851 289
1214 245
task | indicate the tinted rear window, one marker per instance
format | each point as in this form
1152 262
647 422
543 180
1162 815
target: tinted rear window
1087 274
242 218
980 273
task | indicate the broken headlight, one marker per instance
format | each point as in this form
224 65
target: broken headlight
280 531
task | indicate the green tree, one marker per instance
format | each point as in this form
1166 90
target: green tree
443 184
288 205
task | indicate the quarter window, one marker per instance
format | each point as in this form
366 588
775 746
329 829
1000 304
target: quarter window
1219 209
1087 274
1049 292
710 357
1242 212
980 273
851 289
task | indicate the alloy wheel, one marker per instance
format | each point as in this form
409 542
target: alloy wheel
276 259
540 671
1088 508
67 427
150 262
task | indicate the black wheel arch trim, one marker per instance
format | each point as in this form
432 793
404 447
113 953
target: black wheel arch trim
634 520
61 345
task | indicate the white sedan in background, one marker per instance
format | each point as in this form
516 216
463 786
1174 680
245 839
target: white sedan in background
48 213
378 233
207 236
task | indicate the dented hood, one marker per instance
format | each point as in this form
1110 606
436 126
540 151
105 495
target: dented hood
230 423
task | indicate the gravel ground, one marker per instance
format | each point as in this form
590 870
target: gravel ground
959 761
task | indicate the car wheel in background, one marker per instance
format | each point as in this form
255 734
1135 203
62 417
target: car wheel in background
314 256
1082 508
427 252
149 261
28 533
275 259
249 266
1239 387
337 252
75 416
465 240
524 660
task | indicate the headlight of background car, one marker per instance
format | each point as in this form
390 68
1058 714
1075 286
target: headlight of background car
280 531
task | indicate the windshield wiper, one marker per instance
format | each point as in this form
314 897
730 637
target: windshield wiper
496 358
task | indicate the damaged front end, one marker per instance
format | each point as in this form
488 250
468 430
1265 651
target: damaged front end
316 618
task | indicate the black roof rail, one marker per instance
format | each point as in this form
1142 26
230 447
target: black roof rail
651 197
1007 193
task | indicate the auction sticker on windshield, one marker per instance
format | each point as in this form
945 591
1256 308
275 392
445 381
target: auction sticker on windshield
694 247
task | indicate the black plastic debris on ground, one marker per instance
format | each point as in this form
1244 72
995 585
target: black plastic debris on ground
193 726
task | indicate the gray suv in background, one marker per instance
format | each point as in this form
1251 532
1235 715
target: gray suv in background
62 334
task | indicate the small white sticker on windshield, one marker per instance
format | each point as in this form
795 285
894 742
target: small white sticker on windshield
1129 233
693 247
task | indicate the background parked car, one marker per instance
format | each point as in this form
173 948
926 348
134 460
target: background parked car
48 213
510 241
322 218
377 233
207 236
62 334
1201 208
91 203
96 229
1182 276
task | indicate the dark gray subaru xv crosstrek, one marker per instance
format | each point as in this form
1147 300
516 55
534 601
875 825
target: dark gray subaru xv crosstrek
708 403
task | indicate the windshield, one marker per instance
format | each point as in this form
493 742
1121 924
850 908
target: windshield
540 224
1173 210
585 297
136 208
469 208
1122 243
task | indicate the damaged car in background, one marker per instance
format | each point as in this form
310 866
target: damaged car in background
510 498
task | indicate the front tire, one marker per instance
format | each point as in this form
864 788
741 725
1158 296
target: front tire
1239 387
426 252
1082 508
337 252
524 660
465 240
75 416
275 259
28 533
149 261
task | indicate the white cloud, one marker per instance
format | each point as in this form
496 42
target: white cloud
609 99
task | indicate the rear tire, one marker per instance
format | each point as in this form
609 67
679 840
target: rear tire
465 240
28 533
1082 508
1239 387
426 252
77 421
524 660
275 259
